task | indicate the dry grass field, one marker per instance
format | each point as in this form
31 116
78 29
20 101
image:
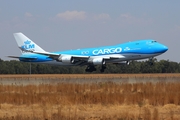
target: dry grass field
113 97
87 76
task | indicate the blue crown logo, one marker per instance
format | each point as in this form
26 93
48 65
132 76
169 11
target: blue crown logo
27 42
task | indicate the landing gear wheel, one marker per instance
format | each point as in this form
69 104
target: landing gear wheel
103 68
151 61
90 69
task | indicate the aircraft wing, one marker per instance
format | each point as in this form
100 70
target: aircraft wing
56 56
51 55
80 59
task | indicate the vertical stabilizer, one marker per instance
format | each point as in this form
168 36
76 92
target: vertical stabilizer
25 44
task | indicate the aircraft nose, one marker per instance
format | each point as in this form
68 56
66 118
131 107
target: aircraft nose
163 48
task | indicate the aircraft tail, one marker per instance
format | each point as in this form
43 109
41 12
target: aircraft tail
25 44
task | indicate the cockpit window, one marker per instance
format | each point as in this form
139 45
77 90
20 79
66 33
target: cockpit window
153 41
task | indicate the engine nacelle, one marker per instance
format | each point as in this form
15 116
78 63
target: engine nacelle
122 63
97 61
66 59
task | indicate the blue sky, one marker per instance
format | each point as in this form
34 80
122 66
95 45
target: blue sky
62 25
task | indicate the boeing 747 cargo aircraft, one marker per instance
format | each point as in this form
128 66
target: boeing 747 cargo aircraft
91 57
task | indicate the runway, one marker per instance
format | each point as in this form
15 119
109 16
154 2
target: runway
36 79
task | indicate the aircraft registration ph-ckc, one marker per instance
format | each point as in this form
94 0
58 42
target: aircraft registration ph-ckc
91 57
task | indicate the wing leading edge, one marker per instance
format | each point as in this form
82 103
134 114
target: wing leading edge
55 56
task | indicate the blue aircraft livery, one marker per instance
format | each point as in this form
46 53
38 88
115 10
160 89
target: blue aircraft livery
27 45
107 51
91 57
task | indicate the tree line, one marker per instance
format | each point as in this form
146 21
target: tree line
17 67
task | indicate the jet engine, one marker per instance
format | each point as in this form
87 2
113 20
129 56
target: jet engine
97 61
122 63
66 59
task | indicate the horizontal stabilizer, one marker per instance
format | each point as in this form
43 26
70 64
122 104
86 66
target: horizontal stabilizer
27 58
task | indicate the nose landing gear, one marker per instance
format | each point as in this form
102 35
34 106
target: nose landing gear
151 60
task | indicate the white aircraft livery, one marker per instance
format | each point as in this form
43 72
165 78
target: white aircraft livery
91 57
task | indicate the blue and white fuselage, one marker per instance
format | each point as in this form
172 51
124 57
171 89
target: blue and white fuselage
91 57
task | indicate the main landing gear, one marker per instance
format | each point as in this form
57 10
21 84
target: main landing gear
103 68
91 68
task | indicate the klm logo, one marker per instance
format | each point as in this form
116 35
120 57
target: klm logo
27 45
